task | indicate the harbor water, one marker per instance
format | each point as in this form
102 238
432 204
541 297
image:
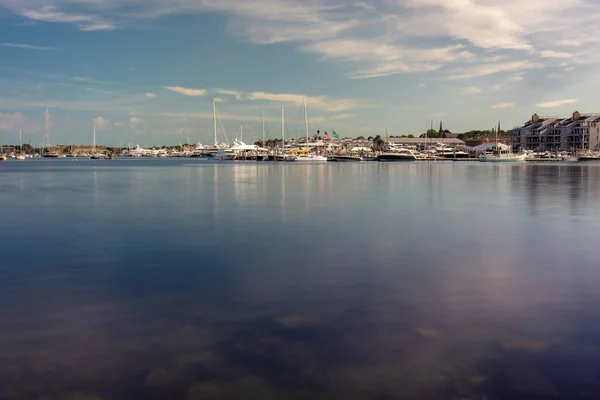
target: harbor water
188 279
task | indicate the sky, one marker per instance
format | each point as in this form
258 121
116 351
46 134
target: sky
147 71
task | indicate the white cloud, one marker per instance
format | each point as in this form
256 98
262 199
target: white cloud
218 100
222 116
516 78
101 123
342 116
490 69
26 46
555 54
186 91
151 95
481 37
234 93
9 122
471 90
503 106
317 120
557 103
98 27
134 121
497 87
317 102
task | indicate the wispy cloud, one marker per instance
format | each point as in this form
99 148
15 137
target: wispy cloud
342 116
555 54
11 121
470 90
151 95
186 91
319 102
26 46
370 40
101 123
98 27
222 116
490 69
503 106
556 103
234 93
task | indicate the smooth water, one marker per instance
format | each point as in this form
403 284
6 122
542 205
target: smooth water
183 279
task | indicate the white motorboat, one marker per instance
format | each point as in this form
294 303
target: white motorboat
400 155
311 157
502 153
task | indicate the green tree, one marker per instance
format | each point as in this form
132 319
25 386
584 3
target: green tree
411 136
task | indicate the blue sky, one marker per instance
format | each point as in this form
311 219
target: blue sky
147 70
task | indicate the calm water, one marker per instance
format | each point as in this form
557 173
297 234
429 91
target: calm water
179 279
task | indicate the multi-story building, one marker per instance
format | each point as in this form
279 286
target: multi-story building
579 132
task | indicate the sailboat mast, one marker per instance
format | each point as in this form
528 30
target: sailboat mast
306 121
497 135
20 141
94 140
214 123
262 118
282 130
242 133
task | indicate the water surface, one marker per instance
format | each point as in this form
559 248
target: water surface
184 279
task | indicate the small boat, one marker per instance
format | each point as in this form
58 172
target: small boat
108 156
2 157
341 158
311 157
401 155
589 156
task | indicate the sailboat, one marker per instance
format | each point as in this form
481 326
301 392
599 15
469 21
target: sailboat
2 155
95 156
20 155
221 154
502 153
307 156
283 156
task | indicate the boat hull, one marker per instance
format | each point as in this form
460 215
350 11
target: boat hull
494 159
344 159
396 158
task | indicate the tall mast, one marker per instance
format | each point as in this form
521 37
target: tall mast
46 129
497 134
241 133
262 118
94 140
282 129
20 141
215 122
306 121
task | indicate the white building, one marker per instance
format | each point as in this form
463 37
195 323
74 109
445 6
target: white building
580 131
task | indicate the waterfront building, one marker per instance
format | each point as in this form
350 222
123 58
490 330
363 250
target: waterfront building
578 132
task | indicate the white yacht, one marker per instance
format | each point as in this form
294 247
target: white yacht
400 155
